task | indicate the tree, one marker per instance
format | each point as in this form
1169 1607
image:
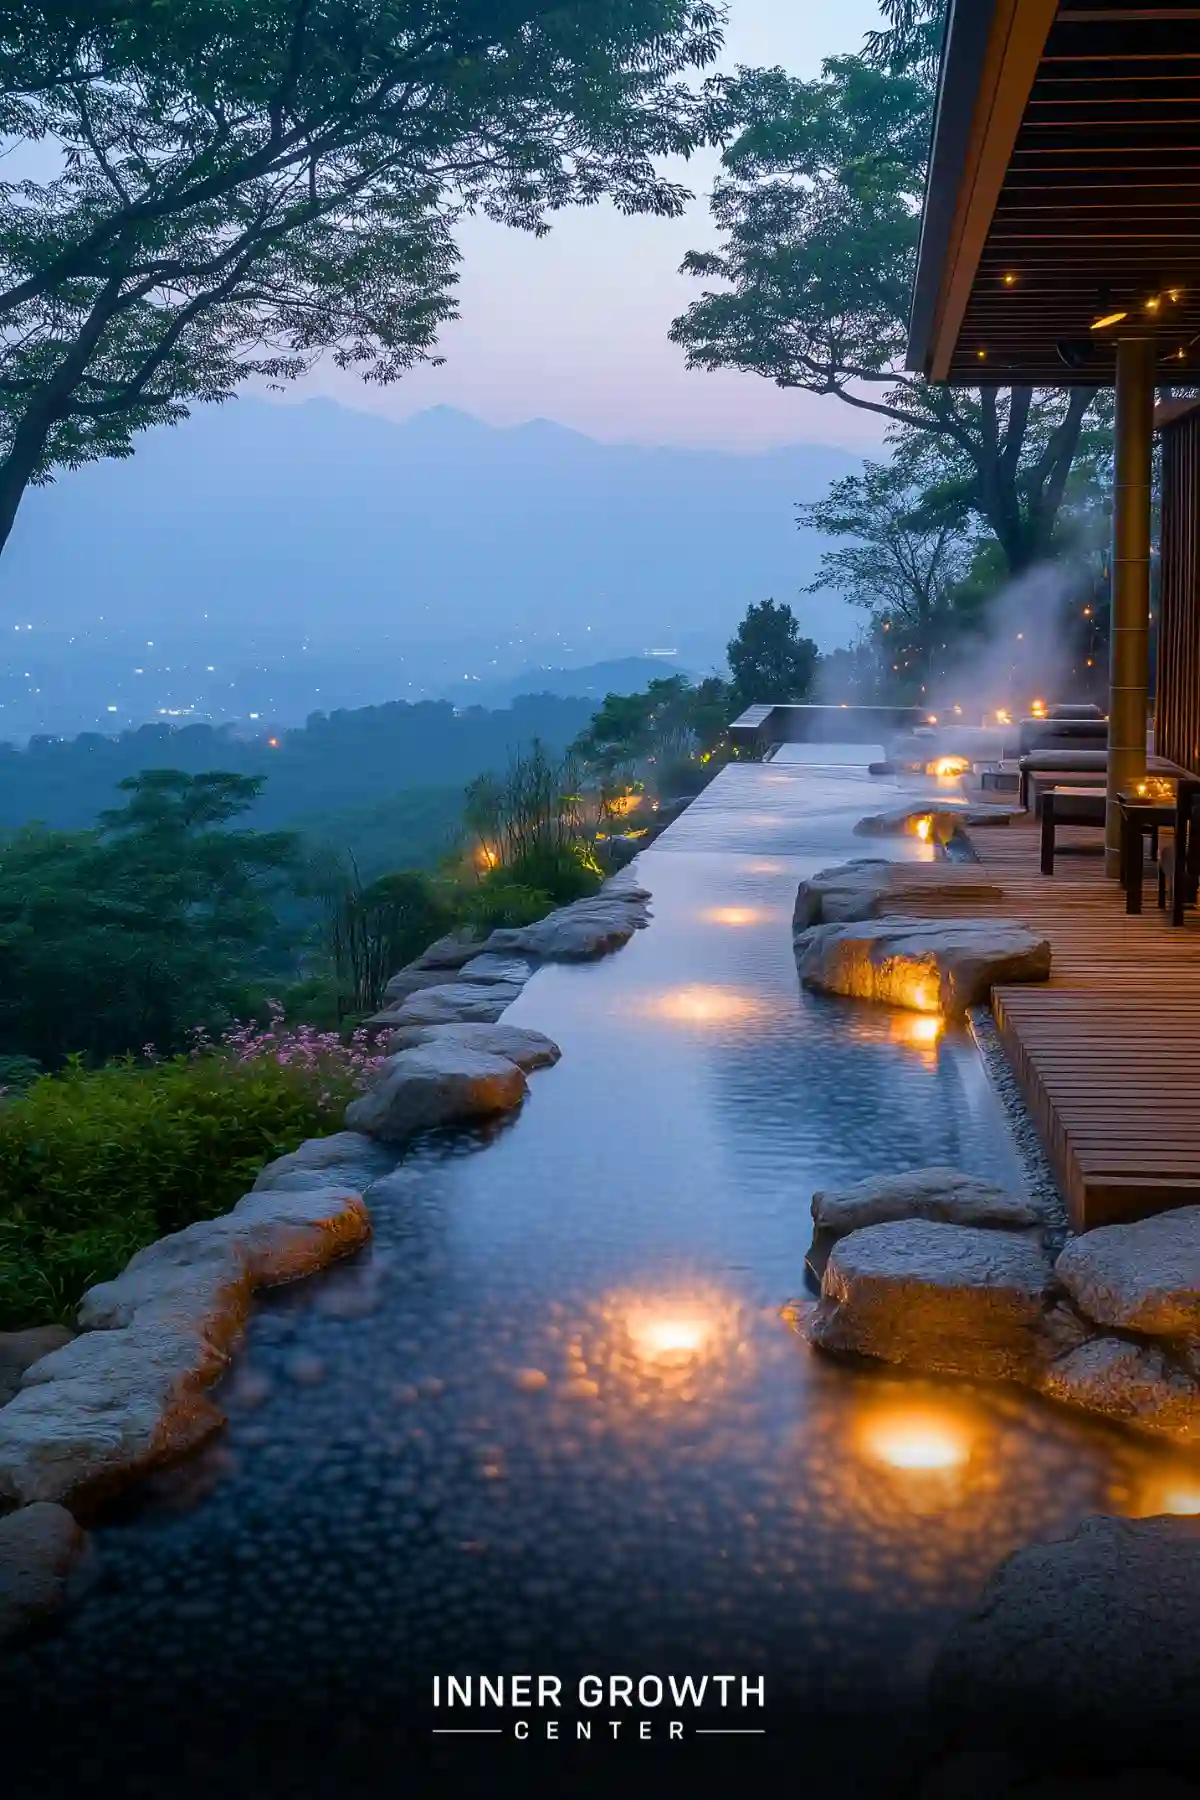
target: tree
240 185
160 920
768 657
900 566
373 929
673 719
819 210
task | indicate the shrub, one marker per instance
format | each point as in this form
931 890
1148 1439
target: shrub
685 778
564 874
498 901
94 1163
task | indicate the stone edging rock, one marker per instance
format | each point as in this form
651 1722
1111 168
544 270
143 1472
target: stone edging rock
949 1282
130 1392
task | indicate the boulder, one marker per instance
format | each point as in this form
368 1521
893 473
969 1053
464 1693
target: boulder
20 1349
947 1195
1139 1385
129 1392
109 1406
945 819
576 933
1141 1277
930 965
442 1083
851 890
40 1546
946 1299
455 1001
528 1049
1083 1649
345 1159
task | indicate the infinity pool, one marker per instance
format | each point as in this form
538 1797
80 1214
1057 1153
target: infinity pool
553 1420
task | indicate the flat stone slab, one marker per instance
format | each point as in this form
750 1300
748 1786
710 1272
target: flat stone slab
19 1350
454 1002
1086 1645
409 981
1142 1277
348 1159
869 885
929 965
491 966
450 951
1137 1384
948 1299
945 819
437 1084
40 1546
949 1196
128 1393
528 1049
576 933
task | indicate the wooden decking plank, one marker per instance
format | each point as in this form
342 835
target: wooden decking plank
1107 1052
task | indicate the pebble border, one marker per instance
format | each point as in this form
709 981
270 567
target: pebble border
1039 1176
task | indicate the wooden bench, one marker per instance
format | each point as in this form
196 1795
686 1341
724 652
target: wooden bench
1068 806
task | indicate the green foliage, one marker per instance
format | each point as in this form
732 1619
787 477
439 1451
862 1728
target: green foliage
499 902
339 777
769 658
564 874
903 569
160 920
373 929
415 829
684 778
241 187
819 208
538 809
671 720
94 1163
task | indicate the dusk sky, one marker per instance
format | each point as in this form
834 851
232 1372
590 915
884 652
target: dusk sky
573 327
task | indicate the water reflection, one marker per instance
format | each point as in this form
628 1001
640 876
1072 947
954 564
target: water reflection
559 1413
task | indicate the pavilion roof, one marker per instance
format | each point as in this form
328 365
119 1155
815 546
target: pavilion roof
1063 189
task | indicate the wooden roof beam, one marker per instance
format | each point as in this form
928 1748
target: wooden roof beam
992 54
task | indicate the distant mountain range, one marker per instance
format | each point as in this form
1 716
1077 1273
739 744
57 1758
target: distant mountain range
318 519
277 558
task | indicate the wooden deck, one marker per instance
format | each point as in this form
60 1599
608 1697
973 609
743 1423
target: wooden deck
1107 1051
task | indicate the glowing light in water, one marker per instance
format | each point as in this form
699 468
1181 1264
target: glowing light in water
922 1031
667 1335
915 1438
700 1004
735 915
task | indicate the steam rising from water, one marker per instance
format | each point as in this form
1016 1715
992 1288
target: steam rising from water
1031 651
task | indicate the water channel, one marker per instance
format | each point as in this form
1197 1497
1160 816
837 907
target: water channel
553 1420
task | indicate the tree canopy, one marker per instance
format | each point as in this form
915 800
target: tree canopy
232 187
768 657
157 921
818 208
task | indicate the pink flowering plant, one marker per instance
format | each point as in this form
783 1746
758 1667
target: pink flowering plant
96 1162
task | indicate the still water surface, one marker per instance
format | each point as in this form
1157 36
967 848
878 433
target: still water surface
553 1418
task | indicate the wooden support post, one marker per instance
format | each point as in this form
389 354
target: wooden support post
1130 614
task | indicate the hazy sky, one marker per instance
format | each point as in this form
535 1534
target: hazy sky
573 327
